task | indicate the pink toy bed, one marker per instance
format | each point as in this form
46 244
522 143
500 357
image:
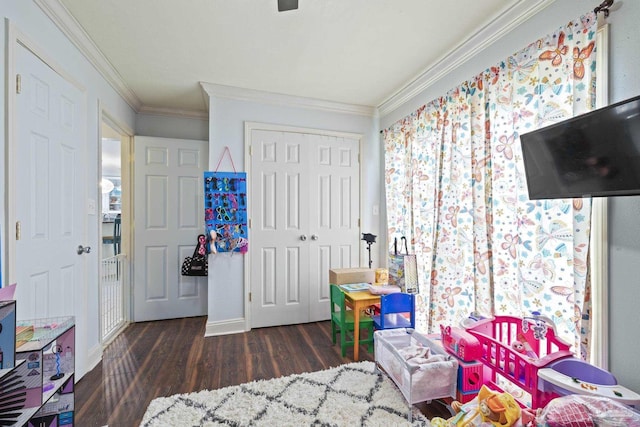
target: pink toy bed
496 337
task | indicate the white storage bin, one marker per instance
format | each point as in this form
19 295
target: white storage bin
418 382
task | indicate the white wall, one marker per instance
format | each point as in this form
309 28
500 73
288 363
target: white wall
226 128
28 19
624 212
164 126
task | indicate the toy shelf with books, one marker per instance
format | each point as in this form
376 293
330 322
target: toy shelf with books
45 349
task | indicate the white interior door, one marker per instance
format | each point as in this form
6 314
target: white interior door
304 209
47 184
168 216
334 212
279 233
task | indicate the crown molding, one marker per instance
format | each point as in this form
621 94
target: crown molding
70 27
507 21
510 19
172 112
241 94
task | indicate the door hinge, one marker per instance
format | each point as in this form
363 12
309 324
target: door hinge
249 296
18 83
358 222
18 230
249 222
251 150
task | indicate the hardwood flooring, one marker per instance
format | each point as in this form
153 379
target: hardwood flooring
153 359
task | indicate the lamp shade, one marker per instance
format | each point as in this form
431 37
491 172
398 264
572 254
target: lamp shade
106 186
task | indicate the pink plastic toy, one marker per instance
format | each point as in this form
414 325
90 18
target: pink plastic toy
541 345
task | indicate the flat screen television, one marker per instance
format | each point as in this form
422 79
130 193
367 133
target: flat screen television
596 154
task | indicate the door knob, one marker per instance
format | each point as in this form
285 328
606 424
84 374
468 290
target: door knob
303 237
83 249
314 237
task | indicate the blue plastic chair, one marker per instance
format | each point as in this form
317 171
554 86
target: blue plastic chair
396 311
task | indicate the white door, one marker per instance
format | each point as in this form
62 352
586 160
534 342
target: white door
334 214
47 184
168 216
304 204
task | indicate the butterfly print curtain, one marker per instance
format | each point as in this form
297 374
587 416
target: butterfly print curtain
455 186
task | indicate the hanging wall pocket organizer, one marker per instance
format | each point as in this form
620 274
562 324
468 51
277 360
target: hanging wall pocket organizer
197 264
225 209
403 268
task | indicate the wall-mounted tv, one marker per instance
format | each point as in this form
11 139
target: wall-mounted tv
596 154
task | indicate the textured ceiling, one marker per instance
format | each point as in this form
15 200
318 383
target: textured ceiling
358 52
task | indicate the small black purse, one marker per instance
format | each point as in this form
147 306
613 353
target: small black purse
198 263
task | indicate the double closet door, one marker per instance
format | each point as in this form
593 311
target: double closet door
305 214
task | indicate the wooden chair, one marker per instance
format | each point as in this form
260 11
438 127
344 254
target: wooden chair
117 234
342 322
116 237
396 311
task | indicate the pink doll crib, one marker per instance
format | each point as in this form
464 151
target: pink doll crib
515 349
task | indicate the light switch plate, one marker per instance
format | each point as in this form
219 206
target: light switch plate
91 207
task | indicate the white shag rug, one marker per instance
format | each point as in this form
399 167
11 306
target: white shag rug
354 394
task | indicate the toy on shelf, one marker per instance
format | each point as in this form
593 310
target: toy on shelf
57 349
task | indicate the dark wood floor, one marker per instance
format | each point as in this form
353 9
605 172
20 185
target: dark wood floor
154 359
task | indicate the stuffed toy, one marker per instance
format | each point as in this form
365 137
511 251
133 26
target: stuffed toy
518 346
495 408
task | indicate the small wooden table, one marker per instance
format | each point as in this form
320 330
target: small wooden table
359 300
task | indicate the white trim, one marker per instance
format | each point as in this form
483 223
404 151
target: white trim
598 266
224 327
251 95
170 112
599 245
70 27
519 13
93 357
126 153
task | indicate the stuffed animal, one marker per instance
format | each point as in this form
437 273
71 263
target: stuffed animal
498 409
518 346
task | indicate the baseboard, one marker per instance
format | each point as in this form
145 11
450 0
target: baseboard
94 357
225 327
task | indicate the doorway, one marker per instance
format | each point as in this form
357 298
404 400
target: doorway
168 182
114 307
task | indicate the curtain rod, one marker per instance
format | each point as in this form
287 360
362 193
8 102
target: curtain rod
604 7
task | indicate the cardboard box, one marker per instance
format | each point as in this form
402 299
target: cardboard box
340 276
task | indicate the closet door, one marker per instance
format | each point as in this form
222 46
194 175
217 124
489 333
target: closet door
304 210
334 211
